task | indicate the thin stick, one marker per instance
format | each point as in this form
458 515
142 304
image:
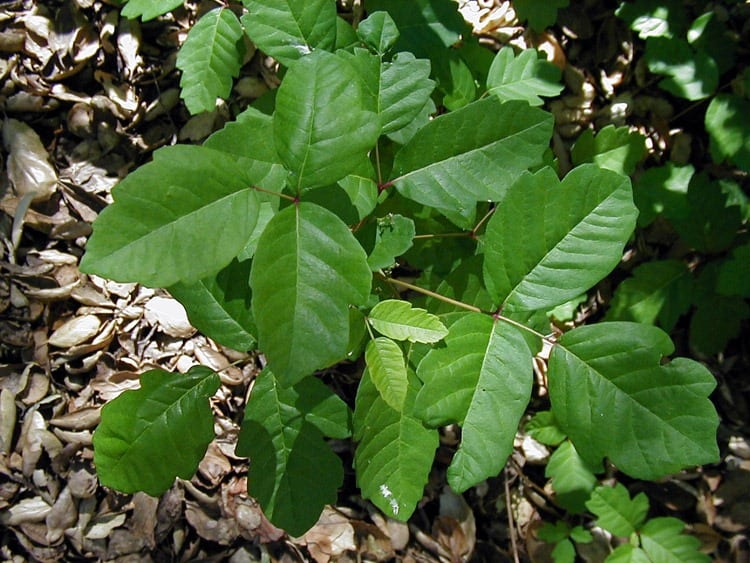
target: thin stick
511 520
429 293
279 194
444 235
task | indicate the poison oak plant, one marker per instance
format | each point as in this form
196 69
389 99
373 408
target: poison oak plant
283 230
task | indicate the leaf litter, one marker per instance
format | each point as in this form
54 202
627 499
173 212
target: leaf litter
88 96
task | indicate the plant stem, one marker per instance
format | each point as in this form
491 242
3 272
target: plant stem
521 326
443 235
279 194
377 163
482 220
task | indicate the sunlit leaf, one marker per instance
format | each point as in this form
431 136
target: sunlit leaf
523 77
614 148
399 320
387 367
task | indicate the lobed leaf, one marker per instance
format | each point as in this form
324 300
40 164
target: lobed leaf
572 479
385 360
613 397
325 122
452 163
481 379
524 77
288 29
395 451
181 217
307 270
378 31
399 320
616 512
614 148
293 472
662 540
210 57
150 436
548 242
219 306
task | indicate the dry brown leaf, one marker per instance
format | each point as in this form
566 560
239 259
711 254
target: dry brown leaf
331 537
169 316
29 169
75 331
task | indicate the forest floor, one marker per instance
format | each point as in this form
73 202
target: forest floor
91 96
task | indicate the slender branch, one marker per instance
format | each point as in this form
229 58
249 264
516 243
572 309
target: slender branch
482 220
443 235
429 293
377 164
511 519
522 326
279 194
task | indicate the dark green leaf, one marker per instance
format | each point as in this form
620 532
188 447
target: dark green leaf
662 540
288 29
733 273
707 33
394 236
716 321
548 242
728 125
662 190
307 271
665 18
540 13
608 388
219 306
572 479
395 451
543 428
378 31
150 436
293 472
210 57
324 122
690 74
482 380
453 161
182 217
615 510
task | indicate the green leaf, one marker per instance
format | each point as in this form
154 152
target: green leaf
385 360
707 33
378 31
307 271
615 510
728 126
525 77
733 278
609 393
394 236
210 57
293 472
564 552
182 217
482 380
717 320
150 436
553 533
457 81
288 29
540 13
617 149
464 283
219 306
665 18
324 123
628 553
148 9
579 534
543 428
395 451
691 74
399 320
405 88
572 479
662 540
659 292
405 134
662 190
548 241
452 162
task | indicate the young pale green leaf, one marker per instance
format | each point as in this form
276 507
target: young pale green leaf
691 74
395 451
615 510
219 305
665 18
524 77
385 360
540 13
728 126
307 270
148 9
150 436
393 236
289 29
549 241
662 540
613 148
399 320
378 31
716 321
608 386
470 155
659 292
572 479
182 217
325 121
543 428
210 57
482 380
293 472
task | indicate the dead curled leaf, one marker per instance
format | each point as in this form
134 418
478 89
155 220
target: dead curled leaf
29 169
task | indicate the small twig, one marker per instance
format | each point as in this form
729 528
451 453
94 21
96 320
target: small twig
511 520
278 194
